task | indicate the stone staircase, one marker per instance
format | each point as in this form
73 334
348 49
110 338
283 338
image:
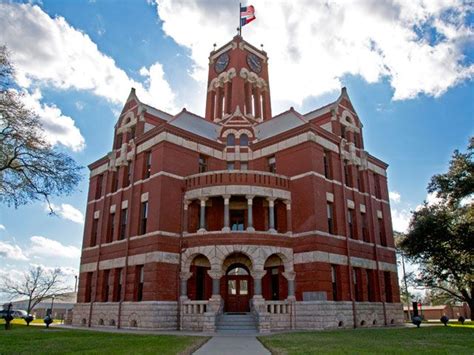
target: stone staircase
236 323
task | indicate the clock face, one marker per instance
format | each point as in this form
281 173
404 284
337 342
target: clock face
254 63
221 63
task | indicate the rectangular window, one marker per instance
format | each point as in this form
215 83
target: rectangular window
370 285
147 165
244 166
356 279
378 193
365 230
351 223
111 231
115 181
88 293
123 223
327 164
202 163
144 217
230 165
347 174
330 218
127 175
383 237
343 131
118 141
272 164
98 190
95 227
334 280
141 280
388 286
105 286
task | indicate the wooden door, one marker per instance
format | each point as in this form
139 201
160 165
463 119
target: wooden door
238 293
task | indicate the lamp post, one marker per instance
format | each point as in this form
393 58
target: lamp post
52 305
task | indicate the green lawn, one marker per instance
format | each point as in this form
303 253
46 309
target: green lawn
425 340
38 340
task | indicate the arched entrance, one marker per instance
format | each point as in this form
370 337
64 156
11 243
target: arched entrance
274 284
199 285
237 288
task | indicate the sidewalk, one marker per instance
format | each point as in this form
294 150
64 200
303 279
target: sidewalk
232 345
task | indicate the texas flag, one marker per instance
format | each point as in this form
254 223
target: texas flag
247 15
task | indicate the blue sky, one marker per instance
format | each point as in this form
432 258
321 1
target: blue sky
408 68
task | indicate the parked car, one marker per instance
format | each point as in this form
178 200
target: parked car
16 313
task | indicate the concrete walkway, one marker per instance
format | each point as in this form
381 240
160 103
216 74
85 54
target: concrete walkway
232 345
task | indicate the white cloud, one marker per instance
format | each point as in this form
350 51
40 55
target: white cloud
2 227
400 220
49 51
45 247
10 251
68 212
394 196
58 128
312 45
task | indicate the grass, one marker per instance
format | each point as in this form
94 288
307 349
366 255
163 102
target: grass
425 340
38 340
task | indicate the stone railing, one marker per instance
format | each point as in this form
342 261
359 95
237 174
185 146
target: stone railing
194 307
237 177
278 307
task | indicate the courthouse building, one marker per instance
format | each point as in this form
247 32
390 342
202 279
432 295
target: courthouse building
240 219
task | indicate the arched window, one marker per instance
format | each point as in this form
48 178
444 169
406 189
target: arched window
244 140
238 270
230 139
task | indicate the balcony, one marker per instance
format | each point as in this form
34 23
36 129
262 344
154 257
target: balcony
237 177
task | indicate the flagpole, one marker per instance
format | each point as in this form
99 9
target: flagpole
240 20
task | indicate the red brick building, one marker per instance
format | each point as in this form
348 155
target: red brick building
285 218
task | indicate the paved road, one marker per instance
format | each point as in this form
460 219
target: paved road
233 345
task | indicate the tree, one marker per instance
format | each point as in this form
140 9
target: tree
30 168
35 285
441 236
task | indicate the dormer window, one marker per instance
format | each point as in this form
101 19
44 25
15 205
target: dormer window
230 140
343 131
244 140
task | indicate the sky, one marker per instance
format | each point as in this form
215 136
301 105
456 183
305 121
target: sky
408 66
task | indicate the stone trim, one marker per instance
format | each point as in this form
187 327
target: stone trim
237 190
329 197
383 266
362 208
96 214
144 197
350 204
325 257
89 267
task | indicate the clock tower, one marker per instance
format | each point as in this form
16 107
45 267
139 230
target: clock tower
238 82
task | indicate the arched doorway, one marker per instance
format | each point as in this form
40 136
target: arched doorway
237 289
200 283
274 284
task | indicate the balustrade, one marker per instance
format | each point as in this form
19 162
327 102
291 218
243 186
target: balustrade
194 307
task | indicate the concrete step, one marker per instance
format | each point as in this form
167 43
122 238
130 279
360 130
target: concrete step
236 323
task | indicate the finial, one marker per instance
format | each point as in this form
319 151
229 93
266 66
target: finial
214 45
261 46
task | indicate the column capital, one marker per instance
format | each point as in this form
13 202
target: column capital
215 274
226 198
186 204
288 204
258 274
271 201
249 197
289 275
185 275
203 200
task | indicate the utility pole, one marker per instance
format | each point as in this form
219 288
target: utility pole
406 285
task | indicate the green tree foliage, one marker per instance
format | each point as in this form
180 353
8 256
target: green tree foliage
441 236
30 168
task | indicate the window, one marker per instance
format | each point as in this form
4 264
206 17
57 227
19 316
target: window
244 140
272 164
131 133
123 223
357 141
383 238
377 186
388 286
237 220
330 218
230 165
95 227
370 285
327 164
351 222
335 295
127 176
356 279
347 174
118 141
365 230
110 234
140 279
144 217
105 286
360 181
118 284
202 163
147 166
244 166
98 190
115 181
343 131
230 139
88 293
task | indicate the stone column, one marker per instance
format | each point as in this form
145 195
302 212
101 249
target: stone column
216 284
184 276
258 106
250 227
289 227
186 204
220 94
202 221
257 282
226 213
271 214
290 277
